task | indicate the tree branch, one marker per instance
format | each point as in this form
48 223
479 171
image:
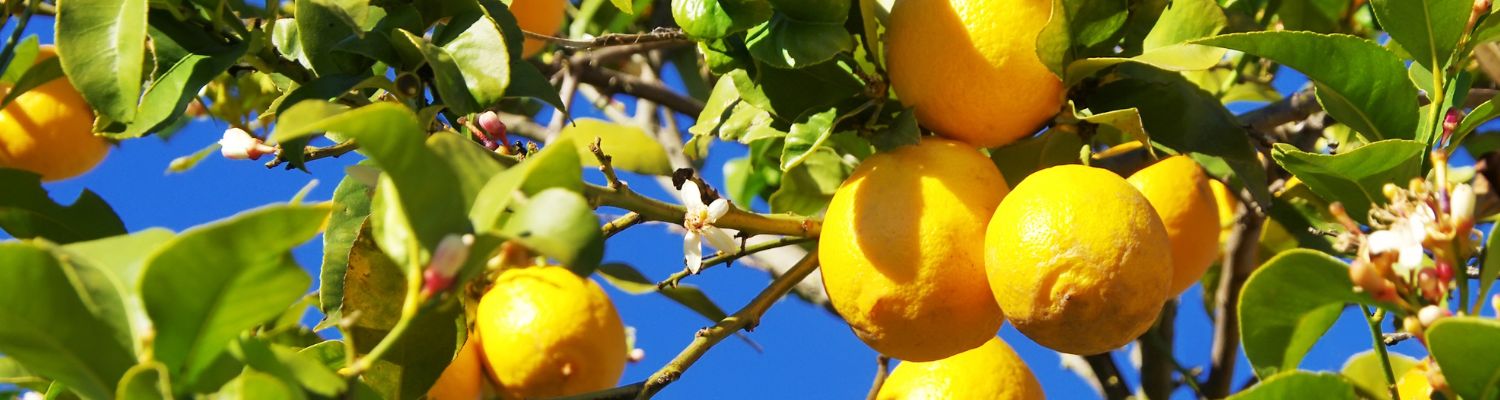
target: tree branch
608 80
619 224
1239 261
1157 360
615 39
746 318
746 222
1304 103
725 258
882 371
314 153
1108 376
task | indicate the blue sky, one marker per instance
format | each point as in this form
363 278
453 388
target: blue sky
808 352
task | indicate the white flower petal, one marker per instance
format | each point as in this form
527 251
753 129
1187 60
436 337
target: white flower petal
1410 257
1462 204
692 251
690 196
1384 241
717 209
236 144
720 239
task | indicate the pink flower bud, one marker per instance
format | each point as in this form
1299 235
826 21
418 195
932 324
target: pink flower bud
239 145
490 122
1462 209
446 261
637 354
1430 314
1444 271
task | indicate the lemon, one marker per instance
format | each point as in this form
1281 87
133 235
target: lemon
1228 206
1078 259
969 67
991 372
1178 189
538 16
464 377
1413 385
49 130
546 332
902 250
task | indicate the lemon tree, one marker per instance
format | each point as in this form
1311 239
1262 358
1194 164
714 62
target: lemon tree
932 172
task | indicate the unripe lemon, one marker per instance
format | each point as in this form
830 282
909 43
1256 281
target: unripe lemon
970 69
991 372
49 130
547 332
1178 189
1078 259
464 377
902 250
538 16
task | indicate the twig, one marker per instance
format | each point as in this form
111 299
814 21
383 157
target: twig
1390 339
619 224
614 39
314 153
746 318
1304 103
882 371
1156 355
1239 262
614 81
1373 319
748 223
1108 375
605 164
724 258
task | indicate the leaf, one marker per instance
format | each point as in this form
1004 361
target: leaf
559 224
479 53
624 6
322 27
629 147
146 381
102 46
27 212
1428 29
630 280
1490 266
806 138
259 385
391 135
1288 303
1300 385
1482 113
1165 46
350 208
117 261
204 287
527 81
1021 158
786 42
1366 89
43 72
1076 29
718 108
1365 371
1466 350
52 329
1354 178
556 166
716 19
169 94
1183 118
472 163
902 131
790 93
291 366
1322 16
25 53
807 188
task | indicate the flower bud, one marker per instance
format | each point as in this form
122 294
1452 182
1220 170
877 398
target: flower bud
1462 208
1431 287
1412 325
1430 314
637 354
1390 190
239 145
445 263
1365 277
1444 271
1450 121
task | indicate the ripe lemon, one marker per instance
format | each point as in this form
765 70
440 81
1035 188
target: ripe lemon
538 16
1078 259
464 378
970 69
1228 206
1413 385
992 372
902 250
1178 189
546 332
49 130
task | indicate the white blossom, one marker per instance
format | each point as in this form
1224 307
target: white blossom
1405 238
1462 201
239 145
699 222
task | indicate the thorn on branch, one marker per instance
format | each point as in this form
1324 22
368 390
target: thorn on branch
605 164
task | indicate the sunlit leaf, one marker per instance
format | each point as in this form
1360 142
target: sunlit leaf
1354 178
27 212
1300 385
1466 350
1288 304
102 46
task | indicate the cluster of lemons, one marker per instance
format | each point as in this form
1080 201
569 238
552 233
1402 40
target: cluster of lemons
926 250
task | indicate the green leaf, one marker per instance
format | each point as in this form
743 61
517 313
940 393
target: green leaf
146 381
54 330
448 78
350 208
1482 113
1165 46
25 54
33 77
1365 371
787 42
478 52
1366 89
628 147
559 224
390 134
1428 29
473 164
630 280
806 138
1354 178
116 262
102 46
1490 266
1287 305
716 19
207 285
259 385
1021 158
1077 29
807 188
171 92
718 108
1183 118
322 27
27 212
624 6
527 81
828 11
1322 16
291 366
790 93
1300 385
1466 350
556 166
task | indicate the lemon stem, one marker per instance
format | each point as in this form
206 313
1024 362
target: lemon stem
1385 358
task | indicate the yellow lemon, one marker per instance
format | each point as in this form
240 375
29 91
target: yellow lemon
902 250
970 69
1178 189
49 130
546 332
464 377
989 372
538 16
1078 259
1228 206
1413 385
